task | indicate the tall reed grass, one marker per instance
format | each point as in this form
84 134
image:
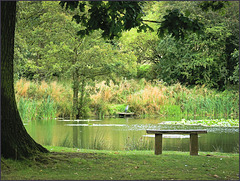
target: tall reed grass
54 99
141 144
37 100
159 99
32 109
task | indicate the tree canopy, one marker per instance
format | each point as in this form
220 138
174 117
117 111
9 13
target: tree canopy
202 44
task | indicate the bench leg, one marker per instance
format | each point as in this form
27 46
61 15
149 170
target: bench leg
158 144
193 144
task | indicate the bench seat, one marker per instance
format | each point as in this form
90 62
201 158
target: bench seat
193 139
176 131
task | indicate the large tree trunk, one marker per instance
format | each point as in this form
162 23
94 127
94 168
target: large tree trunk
16 143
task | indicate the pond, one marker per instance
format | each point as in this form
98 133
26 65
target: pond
127 134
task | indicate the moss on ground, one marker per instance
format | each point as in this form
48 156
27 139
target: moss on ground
75 164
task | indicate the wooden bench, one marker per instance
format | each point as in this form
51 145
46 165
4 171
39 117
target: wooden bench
124 114
193 139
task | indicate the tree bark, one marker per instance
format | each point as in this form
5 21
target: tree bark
16 143
75 114
81 103
75 93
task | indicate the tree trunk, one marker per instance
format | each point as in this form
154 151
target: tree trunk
16 142
75 86
81 103
75 94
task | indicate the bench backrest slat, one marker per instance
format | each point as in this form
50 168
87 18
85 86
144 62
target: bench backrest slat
176 131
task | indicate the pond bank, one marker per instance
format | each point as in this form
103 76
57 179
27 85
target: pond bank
74 164
54 99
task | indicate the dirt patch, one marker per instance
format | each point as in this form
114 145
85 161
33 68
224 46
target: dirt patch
55 157
74 155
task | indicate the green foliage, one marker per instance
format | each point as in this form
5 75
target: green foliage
47 109
171 110
111 17
235 74
196 60
144 71
43 45
176 24
27 109
31 110
115 108
47 47
214 5
53 49
215 105
206 60
180 62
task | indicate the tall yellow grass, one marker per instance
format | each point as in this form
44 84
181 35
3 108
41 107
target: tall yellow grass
22 87
141 96
149 100
39 91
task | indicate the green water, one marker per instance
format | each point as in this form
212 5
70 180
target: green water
127 134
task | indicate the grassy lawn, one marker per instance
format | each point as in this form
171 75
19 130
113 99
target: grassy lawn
74 164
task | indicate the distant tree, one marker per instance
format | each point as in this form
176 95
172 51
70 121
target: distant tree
206 59
94 59
44 40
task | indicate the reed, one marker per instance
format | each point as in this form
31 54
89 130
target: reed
143 98
31 109
131 143
40 99
219 105
27 109
47 109
99 142
22 87
148 100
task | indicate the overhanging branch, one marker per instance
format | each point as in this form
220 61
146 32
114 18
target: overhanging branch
151 21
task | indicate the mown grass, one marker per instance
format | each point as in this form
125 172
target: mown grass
74 164
144 98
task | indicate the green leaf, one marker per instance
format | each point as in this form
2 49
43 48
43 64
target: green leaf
77 18
82 6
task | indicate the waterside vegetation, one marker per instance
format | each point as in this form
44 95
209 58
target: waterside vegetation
206 122
54 99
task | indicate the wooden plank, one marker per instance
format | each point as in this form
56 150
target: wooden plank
176 131
126 113
193 144
158 144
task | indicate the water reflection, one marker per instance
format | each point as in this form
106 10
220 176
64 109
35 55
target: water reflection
95 125
127 134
